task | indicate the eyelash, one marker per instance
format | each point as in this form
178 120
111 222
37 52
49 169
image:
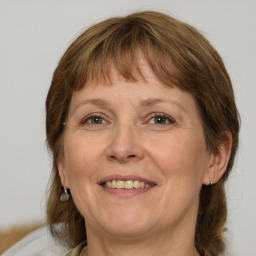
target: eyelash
90 117
164 116
152 116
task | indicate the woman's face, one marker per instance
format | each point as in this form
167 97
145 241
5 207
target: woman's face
135 157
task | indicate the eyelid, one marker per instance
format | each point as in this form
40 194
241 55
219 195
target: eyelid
156 114
87 117
82 121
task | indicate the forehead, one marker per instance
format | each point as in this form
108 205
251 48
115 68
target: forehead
147 91
143 82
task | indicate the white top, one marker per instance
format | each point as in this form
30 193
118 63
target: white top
41 243
37 243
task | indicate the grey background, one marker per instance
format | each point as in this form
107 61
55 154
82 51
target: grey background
34 35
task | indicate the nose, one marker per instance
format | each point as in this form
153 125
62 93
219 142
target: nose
125 145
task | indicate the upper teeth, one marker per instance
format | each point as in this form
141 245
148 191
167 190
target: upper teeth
128 184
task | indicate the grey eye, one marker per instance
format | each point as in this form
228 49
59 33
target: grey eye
161 119
93 120
96 120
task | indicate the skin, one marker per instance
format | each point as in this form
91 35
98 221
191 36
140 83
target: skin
125 138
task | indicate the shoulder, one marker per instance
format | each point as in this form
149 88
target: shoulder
37 243
77 250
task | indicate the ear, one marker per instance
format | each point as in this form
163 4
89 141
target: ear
63 174
219 161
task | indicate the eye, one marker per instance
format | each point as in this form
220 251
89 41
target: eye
160 118
93 120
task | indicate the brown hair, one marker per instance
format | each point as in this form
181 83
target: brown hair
177 54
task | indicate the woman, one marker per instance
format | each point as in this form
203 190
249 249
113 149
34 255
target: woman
143 129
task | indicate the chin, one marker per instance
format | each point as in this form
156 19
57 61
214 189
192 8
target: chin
124 231
127 225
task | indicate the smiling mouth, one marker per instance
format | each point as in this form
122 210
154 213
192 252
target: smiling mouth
127 184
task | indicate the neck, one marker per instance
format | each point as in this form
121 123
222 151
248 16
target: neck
175 239
162 244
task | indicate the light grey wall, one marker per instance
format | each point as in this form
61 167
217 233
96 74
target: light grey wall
33 36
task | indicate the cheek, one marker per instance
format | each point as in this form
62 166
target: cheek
81 160
182 160
81 165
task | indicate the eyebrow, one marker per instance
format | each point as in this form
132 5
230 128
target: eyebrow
145 103
96 102
154 101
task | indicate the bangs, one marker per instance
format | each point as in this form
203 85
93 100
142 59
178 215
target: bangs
125 47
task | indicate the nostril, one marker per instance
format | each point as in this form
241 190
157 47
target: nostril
123 158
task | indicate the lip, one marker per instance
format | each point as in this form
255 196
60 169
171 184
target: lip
125 178
126 193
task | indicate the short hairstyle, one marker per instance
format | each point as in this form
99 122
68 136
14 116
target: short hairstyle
177 55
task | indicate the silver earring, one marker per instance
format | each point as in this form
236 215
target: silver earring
64 196
211 184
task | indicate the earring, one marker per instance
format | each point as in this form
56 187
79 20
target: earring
64 196
211 184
